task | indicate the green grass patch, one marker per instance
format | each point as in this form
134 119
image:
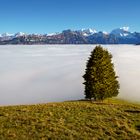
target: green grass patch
111 119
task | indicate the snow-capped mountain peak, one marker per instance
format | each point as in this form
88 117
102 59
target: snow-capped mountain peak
106 33
92 31
19 34
125 29
121 32
52 34
6 35
87 32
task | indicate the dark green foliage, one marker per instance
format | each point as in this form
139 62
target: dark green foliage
100 79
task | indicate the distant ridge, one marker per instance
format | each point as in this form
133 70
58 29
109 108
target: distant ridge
83 36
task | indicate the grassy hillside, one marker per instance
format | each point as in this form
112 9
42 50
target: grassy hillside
71 120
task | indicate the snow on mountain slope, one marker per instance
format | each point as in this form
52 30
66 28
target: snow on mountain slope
52 34
87 36
87 32
19 34
6 35
121 32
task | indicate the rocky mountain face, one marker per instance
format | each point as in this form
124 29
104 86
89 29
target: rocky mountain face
84 36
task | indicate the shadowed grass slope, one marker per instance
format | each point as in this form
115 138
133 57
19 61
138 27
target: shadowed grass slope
113 119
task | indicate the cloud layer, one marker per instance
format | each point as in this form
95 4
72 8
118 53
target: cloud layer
40 74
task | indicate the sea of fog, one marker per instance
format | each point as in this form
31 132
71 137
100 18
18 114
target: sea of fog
53 73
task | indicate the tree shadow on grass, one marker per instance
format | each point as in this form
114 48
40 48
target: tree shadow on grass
93 102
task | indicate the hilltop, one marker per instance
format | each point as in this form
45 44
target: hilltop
112 119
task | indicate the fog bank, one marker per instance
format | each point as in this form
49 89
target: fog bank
51 73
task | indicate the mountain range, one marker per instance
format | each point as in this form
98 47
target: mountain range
83 36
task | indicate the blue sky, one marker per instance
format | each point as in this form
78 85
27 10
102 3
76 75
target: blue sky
46 16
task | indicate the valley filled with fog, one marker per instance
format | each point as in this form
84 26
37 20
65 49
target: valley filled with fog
53 73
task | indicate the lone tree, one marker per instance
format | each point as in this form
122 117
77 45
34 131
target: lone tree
100 78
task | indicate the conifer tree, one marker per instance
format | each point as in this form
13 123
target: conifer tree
100 78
